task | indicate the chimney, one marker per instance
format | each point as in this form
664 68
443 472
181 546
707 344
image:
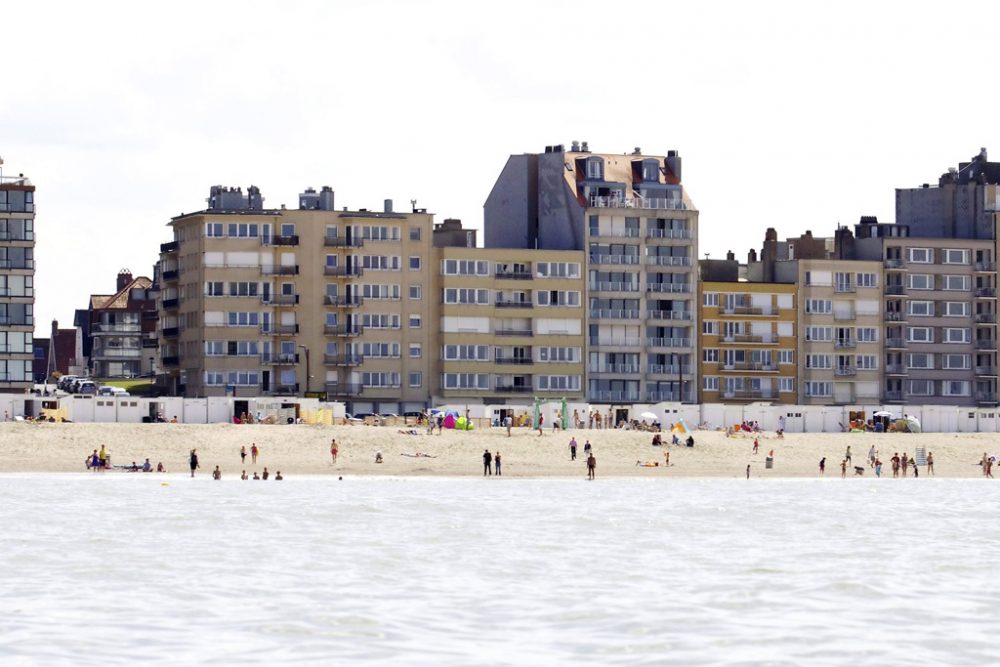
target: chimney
124 278
673 164
575 146
731 256
584 148
752 256
387 206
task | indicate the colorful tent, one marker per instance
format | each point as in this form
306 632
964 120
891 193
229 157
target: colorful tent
680 427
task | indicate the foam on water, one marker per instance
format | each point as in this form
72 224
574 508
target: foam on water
117 568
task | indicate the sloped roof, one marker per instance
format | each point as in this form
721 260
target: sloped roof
119 300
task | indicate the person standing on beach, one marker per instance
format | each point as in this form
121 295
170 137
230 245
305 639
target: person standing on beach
895 464
254 452
843 469
822 466
572 449
487 460
591 466
244 475
194 461
266 474
216 474
847 455
930 463
541 420
496 463
748 471
243 454
333 449
586 447
878 467
103 458
508 422
756 445
904 462
872 455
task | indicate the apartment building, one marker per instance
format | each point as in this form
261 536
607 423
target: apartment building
119 330
840 321
639 230
314 301
511 325
748 341
17 287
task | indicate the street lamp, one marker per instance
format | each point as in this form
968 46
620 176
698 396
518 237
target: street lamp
306 350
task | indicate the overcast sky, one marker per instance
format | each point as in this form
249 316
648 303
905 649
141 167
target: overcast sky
792 115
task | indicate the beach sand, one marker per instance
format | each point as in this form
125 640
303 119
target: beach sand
301 450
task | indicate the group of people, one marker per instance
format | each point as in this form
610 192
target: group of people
101 460
900 465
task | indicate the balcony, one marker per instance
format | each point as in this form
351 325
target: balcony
117 353
116 328
895 343
895 264
679 234
986 397
668 369
986 318
895 317
758 366
744 310
280 330
895 369
613 368
512 275
895 290
171 332
630 233
172 246
284 359
280 240
986 371
668 288
279 270
344 389
660 260
983 267
514 361
280 299
668 315
843 316
749 394
615 342
342 330
613 286
986 293
843 288
171 275
514 332
171 304
667 342
286 389
343 301
894 397
762 339
343 271
609 396
343 359
986 344
614 314
342 242
510 303
172 360
845 343
637 202
845 371
513 388
626 260
665 396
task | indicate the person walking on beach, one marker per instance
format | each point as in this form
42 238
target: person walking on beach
333 449
216 474
878 467
872 455
487 460
508 422
496 463
586 447
572 449
541 420
254 452
756 445
748 471
194 461
847 455
243 454
102 457
822 466
930 463
591 466
843 469
895 464
904 462
989 467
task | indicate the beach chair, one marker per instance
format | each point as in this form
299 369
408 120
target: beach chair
920 458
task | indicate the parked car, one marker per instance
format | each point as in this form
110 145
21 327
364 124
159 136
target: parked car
108 390
65 381
86 387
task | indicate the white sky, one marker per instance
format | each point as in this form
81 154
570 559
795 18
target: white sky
792 115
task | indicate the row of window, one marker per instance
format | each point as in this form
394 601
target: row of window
842 280
717 383
480 267
946 255
841 334
481 382
254 230
945 335
938 388
864 362
926 361
485 353
950 283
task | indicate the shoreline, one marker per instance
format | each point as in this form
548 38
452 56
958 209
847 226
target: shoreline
300 450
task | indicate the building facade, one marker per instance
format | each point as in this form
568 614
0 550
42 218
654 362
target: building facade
121 329
17 283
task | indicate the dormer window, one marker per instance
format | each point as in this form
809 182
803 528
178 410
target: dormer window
650 171
595 169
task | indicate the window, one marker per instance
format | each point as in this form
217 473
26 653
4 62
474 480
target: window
388 291
558 382
595 169
559 354
414 233
819 306
956 361
466 353
454 295
414 321
379 321
920 335
921 388
214 289
711 383
213 229
956 283
866 362
818 361
414 264
557 298
951 256
415 291
955 309
247 289
465 267
416 377
710 356
558 269
380 379
866 280
819 333
867 335
920 255
920 361
215 348
416 351
243 230
711 299
819 388
786 385
710 328
921 308
466 381
214 378
241 319
921 281
955 388
380 262
786 356
957 335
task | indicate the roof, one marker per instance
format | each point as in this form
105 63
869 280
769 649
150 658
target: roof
119 300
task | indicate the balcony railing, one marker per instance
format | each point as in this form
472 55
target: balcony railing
893 396
511 303
895 369
986 292
613 286
668 234
286 389
895 342
343 301
615 342
171 246
171 304
613 368
171 274
669 288
843 316
668 369
513 275
342 329
117 328
845 343
744 310
514 332
844 288
343 359
661 260
291 239
668 315
895 317
171 332
668 342
279 359
513 388
985 266
172 360
895 290
751 366
279 270
342 242
637 202
514 361
117 353
665 395
609 396
894 264
765 339
280 299
627 260
986 397
631 233
280 329
845 371
986 344
986 370
344 388
748 394
986 318
614 314
343 271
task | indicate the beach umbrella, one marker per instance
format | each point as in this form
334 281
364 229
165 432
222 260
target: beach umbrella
913 423
649 415
882 413
565 417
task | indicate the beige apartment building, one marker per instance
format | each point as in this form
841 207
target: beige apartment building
511 325
311 301
748 342
840 321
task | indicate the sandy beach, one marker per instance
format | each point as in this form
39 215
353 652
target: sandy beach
305 450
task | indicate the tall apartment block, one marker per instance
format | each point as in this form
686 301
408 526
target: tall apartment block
17 286
306 301
511 325
638 229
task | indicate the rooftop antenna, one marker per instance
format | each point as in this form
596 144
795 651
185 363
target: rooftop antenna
413 205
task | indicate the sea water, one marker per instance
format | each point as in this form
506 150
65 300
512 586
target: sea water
117 568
